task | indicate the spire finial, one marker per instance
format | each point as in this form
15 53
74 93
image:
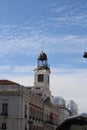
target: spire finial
42 48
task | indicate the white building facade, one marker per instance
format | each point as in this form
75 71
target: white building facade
31 108
20 110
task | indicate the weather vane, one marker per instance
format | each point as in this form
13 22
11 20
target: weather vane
42 49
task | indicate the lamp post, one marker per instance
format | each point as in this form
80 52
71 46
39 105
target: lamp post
85 55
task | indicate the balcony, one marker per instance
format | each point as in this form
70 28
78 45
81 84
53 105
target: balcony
3 114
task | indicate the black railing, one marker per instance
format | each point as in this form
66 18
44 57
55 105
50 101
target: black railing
4 114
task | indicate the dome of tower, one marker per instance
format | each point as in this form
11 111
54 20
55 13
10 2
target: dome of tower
42 56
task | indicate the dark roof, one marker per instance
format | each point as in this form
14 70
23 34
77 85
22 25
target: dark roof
42 56
7 82
80 119
82 115
85 55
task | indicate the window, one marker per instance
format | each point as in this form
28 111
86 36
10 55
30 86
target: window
30 111
48 79
25 127
3 125
40 78
5 109
25 111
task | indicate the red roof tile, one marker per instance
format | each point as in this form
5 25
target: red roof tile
7 82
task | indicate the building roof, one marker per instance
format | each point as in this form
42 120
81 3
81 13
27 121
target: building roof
7 82
77 120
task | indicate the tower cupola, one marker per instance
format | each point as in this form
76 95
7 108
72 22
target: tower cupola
42 56
42 61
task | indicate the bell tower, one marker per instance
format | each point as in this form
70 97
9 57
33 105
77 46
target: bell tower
42 76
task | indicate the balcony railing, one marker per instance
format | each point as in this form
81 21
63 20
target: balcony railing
4 114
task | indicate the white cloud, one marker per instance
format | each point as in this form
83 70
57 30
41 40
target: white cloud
25 69
58 9
69 14
26 80
71 86
23 80
4 68
30 44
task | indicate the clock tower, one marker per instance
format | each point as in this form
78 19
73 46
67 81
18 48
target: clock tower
42 76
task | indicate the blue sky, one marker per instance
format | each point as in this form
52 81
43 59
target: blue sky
57 26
